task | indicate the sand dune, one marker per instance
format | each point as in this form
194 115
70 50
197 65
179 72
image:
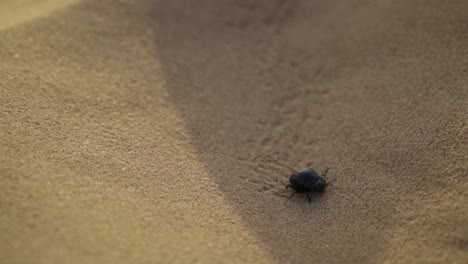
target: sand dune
160 131
13 12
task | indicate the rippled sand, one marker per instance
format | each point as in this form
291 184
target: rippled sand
161 131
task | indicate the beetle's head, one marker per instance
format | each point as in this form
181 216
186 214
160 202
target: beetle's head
320 185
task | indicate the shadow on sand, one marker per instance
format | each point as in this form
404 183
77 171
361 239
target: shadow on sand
263 85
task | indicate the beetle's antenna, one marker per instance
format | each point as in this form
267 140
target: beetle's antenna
287 167
325 172
328 183
291 169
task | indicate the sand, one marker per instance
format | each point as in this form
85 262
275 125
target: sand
161 131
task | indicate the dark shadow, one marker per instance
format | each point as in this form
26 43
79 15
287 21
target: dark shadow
267 84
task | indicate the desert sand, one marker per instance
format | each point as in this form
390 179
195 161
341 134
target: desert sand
162 131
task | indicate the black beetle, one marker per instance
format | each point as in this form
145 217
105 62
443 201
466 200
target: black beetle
307 181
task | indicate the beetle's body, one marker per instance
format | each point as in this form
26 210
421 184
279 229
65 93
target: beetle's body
307 181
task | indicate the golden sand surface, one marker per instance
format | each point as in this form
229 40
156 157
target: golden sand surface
160 131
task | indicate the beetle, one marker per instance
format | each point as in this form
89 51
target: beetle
307 181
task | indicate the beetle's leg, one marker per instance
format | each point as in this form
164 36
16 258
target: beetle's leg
308 196
309 165
289 185
292 195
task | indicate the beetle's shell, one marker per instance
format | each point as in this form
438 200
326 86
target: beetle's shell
304 180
